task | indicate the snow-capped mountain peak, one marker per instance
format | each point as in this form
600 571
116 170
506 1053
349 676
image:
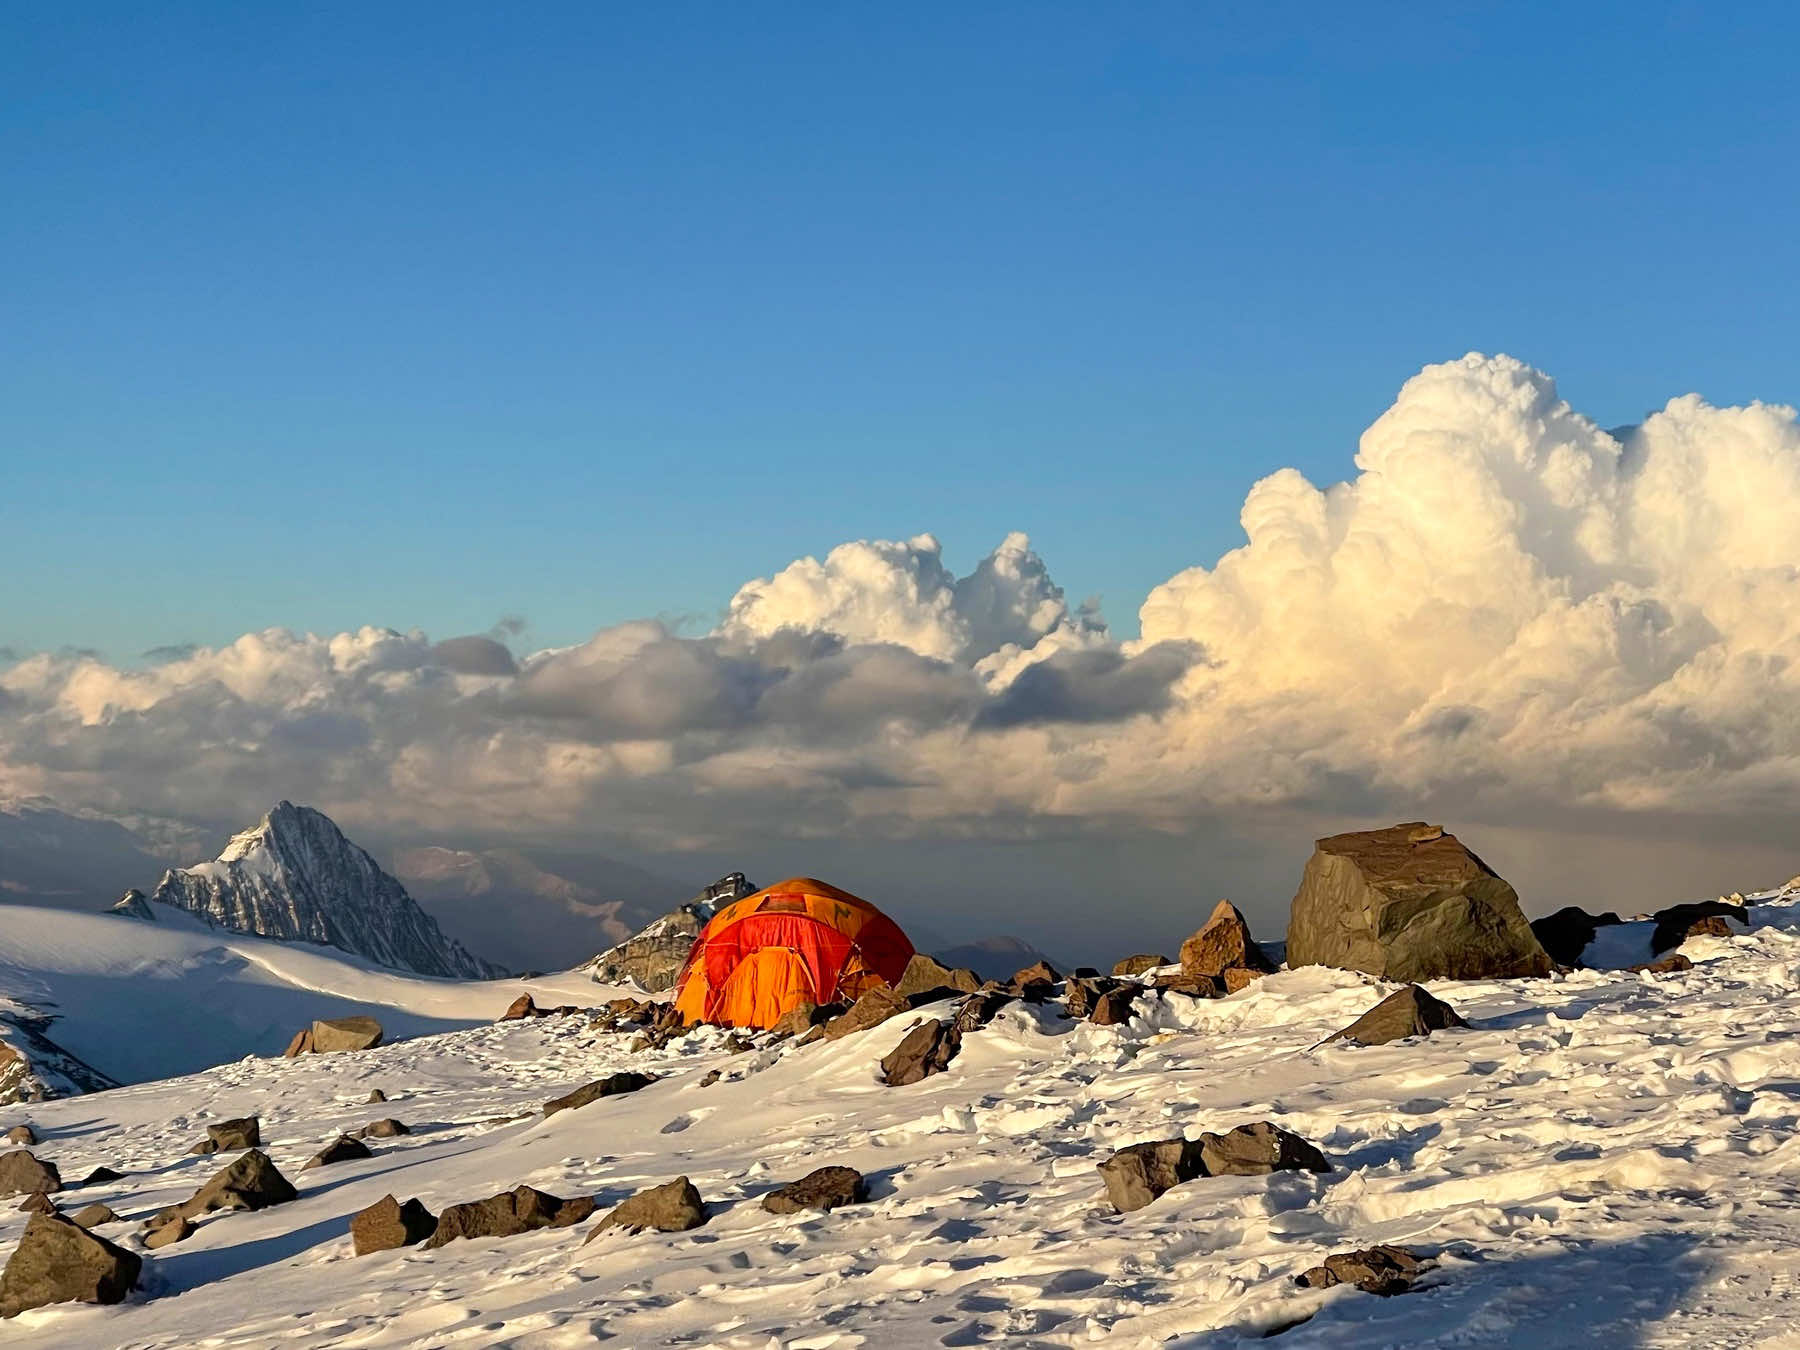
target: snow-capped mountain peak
294 875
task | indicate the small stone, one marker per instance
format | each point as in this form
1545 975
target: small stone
376 1095
341 1149
1672 964
58 1261
22 1172
91 1216
243 1132
823 1188
38 1203
175 1228
385 1128
1258 1149
101 1175
1411 1011
21 1134
388 1224
673 1207
610 1086
203 1148
1137 1174
1383 1269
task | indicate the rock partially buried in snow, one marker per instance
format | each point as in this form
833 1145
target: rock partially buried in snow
1258 1149
22 1172
1224 943
823 1188
1707 918
927 1049
101 1175
375 1095
58 1261
341 1149
610 1086
166 1230
243 1132
38 1203
1138 1173
523 1209
673 1207
252 1182
1137 965
21 1134
385 1128
1409 903
387 1224
924 974
1411 1011
345 1033
1383 1269
870 1010
92 1216
1113 1008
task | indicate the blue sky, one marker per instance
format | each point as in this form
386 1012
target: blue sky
425 315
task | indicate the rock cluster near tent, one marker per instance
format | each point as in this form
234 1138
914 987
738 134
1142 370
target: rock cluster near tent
1409 903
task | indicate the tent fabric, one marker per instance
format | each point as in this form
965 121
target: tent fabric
800 940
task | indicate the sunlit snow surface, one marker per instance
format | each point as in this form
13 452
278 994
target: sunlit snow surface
1605 1159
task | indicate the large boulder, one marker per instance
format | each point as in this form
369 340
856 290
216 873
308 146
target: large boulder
252 1182
1224 943
673 1207
22 1172
59 1261
388 1224
1566 934
1409 903
238 1132
925 973
345 1033
927 1049
870 1010
1411 1011
520 1210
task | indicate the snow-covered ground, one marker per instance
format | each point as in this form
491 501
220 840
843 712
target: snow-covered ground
1603 1159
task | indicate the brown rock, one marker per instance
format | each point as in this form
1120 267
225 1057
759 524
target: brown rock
242 1132
1255 1150
823 1188
1035 983
1384 1270
1672 964
520 1210
673 1207
796 1020
57 1261
1407 1012
101 1175
1137 1174
388 1224
376 1095
172 1229
1137 965
1080 994
871 1010
22 1172
1113 1008
610 1086
521 1007
385 1128
1238 978
977 1010
925 974
252 1182
1223 943
1705 918
202 1148
1409 903
302 1044
21 1134
37 1203
345 1033
341 1149
927 1049
92 1216
1191 983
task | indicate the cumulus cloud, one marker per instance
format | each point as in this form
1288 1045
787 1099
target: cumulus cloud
1505 606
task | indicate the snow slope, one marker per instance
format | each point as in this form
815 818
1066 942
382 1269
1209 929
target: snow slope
1604 1158
140 1000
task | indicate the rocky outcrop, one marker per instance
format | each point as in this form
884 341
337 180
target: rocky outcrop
387 1224
673 1207
1411 1011
1384 1270
1409 903
823 1188
1224 943
653 957
523 1209
59 1261
294 876
133 905
34 1068
610 1086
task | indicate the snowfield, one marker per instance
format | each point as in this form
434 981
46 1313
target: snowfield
1604 1158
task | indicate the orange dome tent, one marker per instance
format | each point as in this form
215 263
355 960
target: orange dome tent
801 940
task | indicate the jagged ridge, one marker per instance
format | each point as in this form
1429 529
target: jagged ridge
295 876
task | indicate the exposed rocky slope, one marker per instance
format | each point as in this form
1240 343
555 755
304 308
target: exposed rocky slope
35 1068
295 876
652 957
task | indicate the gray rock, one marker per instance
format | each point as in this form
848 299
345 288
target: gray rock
1409 903
610 1086
251 1182
341 1149
1383 1269
1705 918
37 1203
385 1128
1411 1011
242 1132
345 1033
926 1049
823 1188
388 1224
520 1210
92 1216
870 1010
58 1261
652 958
673 1207
1258 1149
1137 1174
133 905
22 1172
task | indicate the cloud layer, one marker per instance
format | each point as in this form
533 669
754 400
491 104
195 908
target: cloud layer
1506 607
